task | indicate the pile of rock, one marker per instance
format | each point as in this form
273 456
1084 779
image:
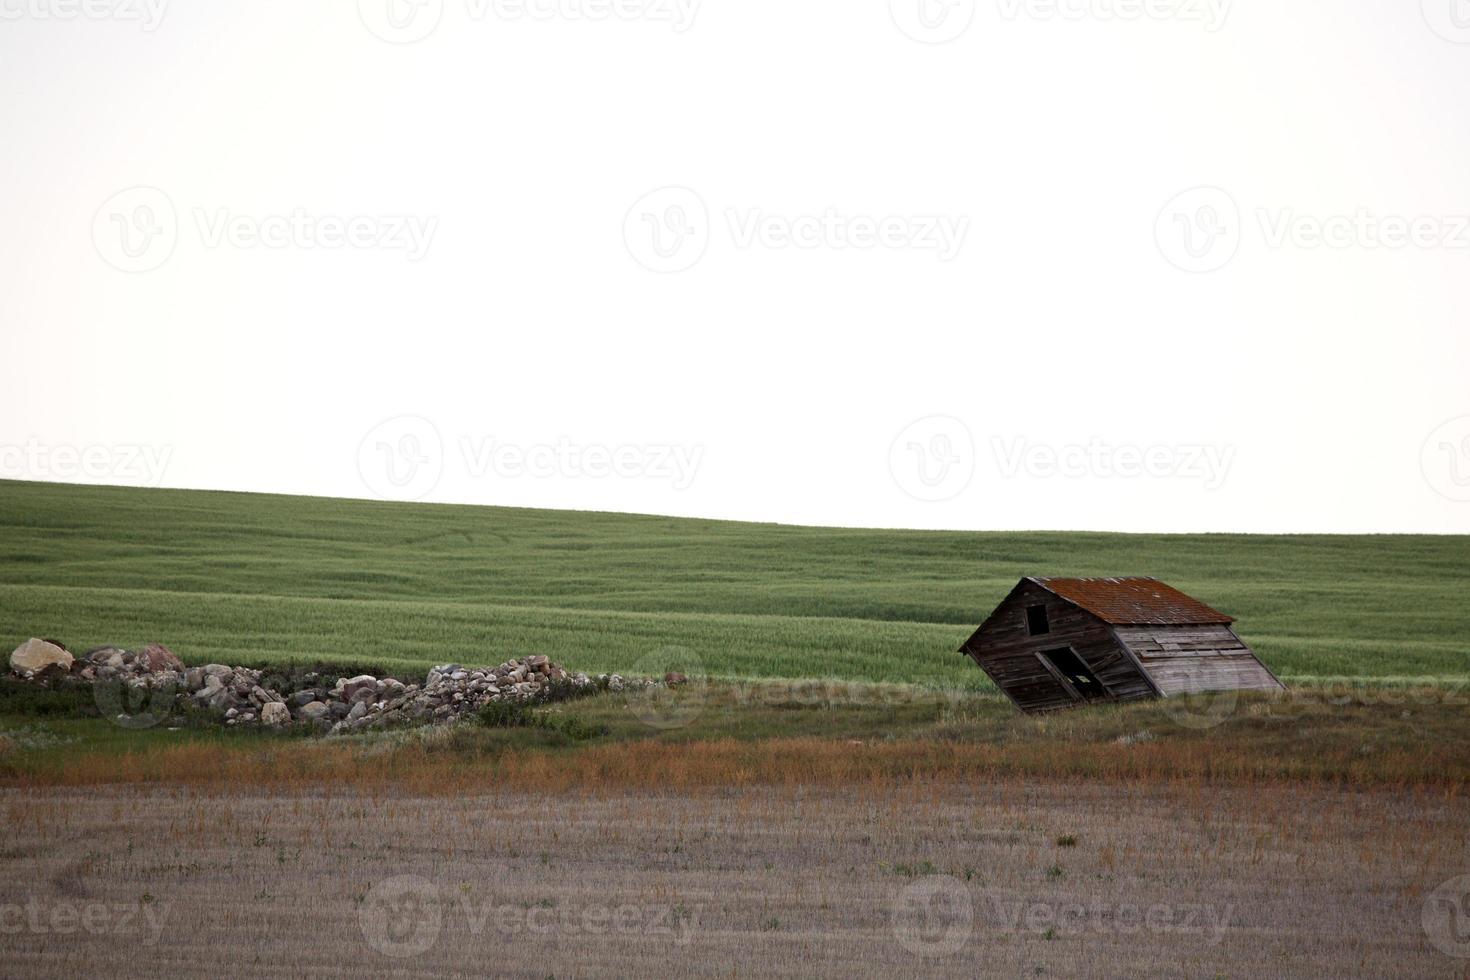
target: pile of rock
243 696
451 690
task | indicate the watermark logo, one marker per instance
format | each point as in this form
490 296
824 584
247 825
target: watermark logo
401 21
1446 917
667 230
1199 709
933 458
136 230
934 916
402 458
1199 229
932 21
401 916
679 693
1450 19
1445 459
133 464
406 916
136 706
147 14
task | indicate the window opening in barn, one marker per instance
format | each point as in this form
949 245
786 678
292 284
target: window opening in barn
1036 620
1070 666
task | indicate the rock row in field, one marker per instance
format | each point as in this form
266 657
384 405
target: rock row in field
245 696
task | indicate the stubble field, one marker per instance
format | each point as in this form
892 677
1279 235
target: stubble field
1004 879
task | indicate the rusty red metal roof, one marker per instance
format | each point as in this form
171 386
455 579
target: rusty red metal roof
1133 601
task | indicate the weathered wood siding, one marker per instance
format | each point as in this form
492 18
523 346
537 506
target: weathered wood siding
1191 659
1005 649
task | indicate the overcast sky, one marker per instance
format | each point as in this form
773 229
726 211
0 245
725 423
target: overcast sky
991 264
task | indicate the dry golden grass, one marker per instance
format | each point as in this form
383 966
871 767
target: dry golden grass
734 738
421 766
1162 880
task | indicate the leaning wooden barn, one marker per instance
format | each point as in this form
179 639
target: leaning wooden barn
1059 642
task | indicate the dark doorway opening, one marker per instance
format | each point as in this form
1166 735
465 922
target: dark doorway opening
1076 673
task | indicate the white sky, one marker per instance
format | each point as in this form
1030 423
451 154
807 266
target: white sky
1034 294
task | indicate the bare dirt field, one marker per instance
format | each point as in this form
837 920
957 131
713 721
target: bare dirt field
1012 878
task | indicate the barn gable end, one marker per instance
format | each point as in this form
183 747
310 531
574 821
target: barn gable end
1006 649
1056 643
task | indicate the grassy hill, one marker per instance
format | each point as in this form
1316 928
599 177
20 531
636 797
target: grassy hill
256 579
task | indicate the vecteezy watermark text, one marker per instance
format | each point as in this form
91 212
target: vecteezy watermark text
937 915
147 14
1212 14
1202 229
136 464
1208 464
405 916
138 230
143 920
934 459
675 464
939 233
669 230
410 21
410 234
404 458
938 21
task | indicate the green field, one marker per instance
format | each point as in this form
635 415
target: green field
255 579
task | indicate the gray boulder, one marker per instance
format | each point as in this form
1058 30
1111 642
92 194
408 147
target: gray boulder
312 711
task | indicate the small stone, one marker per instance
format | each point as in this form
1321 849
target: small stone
274 713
